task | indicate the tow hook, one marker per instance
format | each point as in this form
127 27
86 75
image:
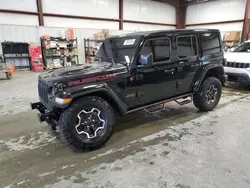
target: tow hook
48 117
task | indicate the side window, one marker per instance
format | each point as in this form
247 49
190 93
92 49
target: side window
147 49
160 48
187 46
245 47
210 43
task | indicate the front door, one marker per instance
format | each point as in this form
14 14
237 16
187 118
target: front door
187 62
158 81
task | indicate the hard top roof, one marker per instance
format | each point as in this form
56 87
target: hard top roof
148 33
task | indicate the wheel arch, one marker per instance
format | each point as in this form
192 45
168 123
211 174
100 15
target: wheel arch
116 103
215 71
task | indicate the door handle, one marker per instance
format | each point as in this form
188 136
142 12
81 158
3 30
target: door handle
169 70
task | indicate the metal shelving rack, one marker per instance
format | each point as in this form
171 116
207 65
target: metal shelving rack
88 47
13 52
57 53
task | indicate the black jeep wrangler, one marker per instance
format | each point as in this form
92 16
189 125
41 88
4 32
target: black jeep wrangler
131 72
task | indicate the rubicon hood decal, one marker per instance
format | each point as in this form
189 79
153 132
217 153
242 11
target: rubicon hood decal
91 79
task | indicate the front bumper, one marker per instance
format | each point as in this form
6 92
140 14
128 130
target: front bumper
239 75
45 115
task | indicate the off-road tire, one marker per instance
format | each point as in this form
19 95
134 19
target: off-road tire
67 123
8 75
199 97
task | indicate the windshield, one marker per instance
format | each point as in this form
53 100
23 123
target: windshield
119 49
245 47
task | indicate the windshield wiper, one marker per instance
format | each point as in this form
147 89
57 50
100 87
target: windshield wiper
124 63
106 58
113 61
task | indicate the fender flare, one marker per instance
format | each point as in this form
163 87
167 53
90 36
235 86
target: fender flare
199 81
122 107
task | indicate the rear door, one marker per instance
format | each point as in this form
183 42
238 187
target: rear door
187 57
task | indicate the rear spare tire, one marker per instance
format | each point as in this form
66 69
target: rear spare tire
88 123
208 95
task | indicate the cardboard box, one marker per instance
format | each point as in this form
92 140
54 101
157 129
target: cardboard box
99 36
107 33
230 43
50 66
232 36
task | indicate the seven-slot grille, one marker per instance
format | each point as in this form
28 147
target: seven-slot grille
236 65
43 91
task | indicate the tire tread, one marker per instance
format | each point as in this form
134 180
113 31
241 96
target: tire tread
198 98
69 138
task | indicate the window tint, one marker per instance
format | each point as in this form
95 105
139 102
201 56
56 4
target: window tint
210 43
245 47
160 48
186 46
147 49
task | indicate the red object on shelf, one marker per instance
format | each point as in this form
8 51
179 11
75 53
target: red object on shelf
70 34
36 57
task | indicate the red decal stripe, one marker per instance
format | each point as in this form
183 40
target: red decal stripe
92 79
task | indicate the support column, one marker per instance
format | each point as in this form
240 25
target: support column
181 11
40 12
121 14
246 24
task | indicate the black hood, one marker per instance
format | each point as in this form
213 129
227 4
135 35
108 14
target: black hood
81 71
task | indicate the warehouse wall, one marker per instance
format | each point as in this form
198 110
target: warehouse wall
139 10
23 5
25 28
144 10
88 8
217 11
17 19
31 34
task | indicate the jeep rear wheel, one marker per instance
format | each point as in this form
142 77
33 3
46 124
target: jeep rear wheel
87 124
208 95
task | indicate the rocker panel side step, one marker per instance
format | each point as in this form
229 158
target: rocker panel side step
161 102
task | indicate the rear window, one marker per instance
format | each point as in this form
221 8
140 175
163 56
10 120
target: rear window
210 43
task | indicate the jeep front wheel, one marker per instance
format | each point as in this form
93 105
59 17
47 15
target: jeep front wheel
87 124
208 95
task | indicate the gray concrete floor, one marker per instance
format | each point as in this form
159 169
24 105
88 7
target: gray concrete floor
178 148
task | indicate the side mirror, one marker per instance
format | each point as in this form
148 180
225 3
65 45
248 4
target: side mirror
145 61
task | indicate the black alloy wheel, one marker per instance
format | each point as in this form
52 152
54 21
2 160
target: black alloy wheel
87 123
211 94
208 95
90 124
